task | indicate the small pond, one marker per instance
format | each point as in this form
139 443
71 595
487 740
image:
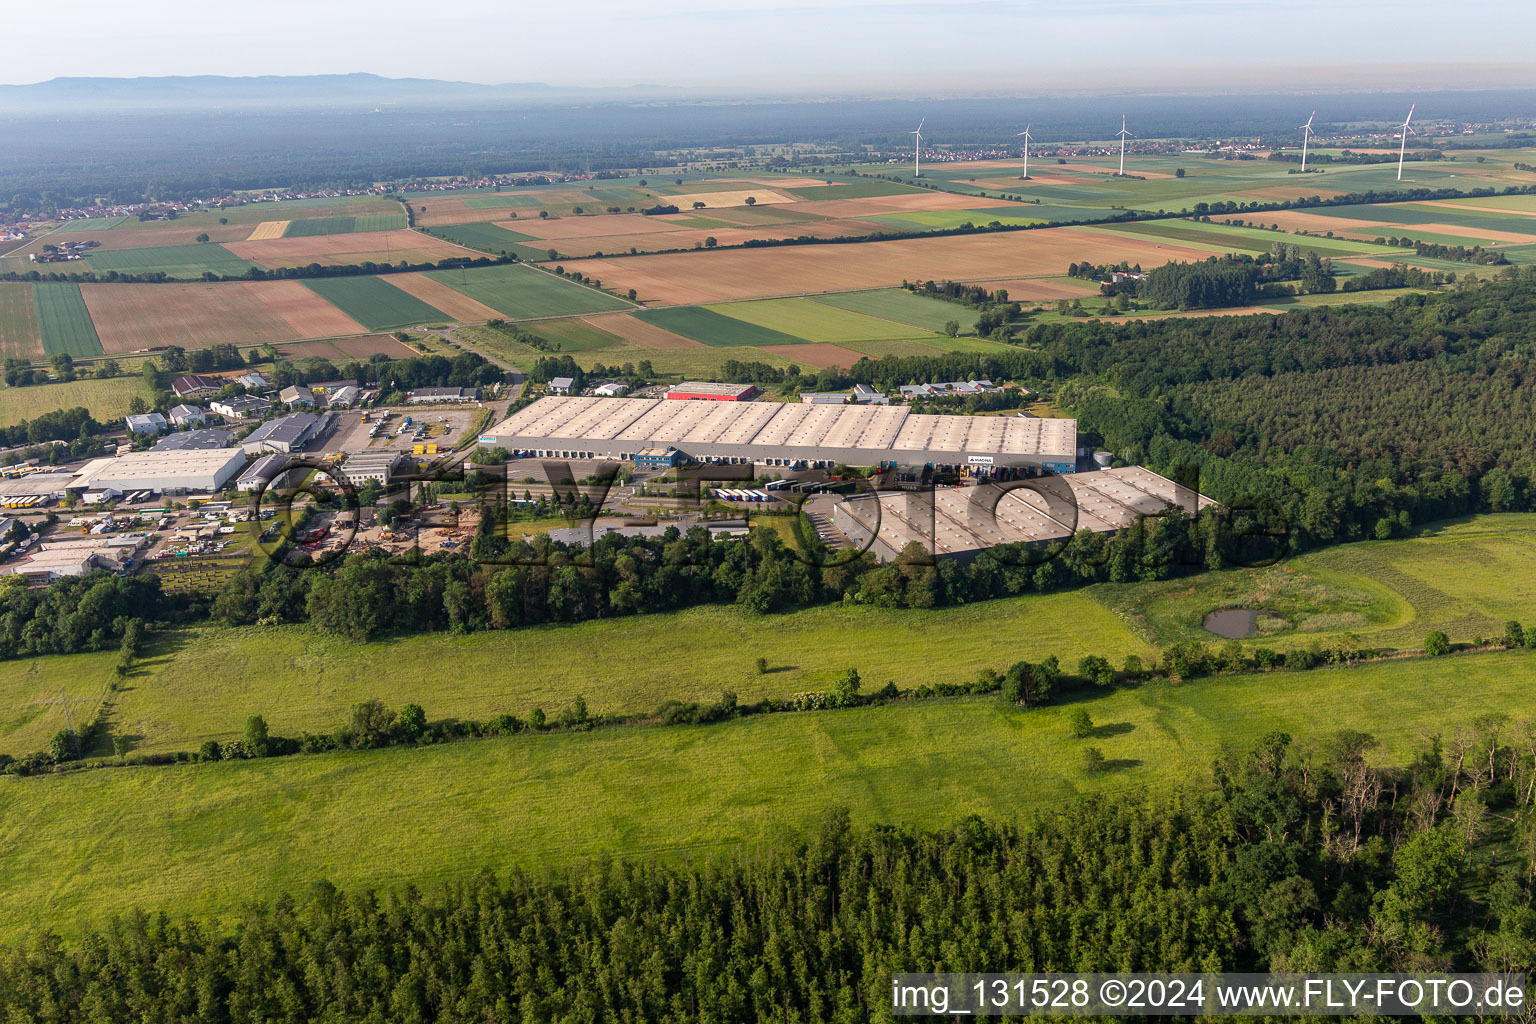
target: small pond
1234 623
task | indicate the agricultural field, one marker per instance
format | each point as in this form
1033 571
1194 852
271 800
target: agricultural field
198 838
520 293
107 399
388 247
177 261
711 328
683 278
817 322
904 307
133 317
19 336
488 237
343 225
374 302
64 321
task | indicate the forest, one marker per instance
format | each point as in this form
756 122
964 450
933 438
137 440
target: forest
1288 857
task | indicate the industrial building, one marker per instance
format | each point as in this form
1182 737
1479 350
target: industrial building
787 435
285 434
239 407
433 396
34 489
184 415
704 391
295 395
381 466
270 471
196 384
963 521
146 423
169 472
195 440
657 458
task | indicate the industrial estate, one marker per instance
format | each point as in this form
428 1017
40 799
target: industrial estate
494 553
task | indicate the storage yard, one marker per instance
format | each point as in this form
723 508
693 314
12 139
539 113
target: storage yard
772 434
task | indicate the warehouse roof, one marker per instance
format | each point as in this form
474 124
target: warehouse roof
771 424
191 440
954 519
136 466
702 387
290 429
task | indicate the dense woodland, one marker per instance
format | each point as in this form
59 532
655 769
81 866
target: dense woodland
1286 859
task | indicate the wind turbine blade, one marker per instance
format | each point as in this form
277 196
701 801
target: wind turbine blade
921 123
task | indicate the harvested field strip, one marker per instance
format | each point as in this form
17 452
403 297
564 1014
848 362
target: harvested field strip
19 336
89 224
813 321
637 332
901 306
852 190
320 226
63 320
268 229
1185 232
438 295
1041 289
522 292
134 317
356 247
372 302
714 329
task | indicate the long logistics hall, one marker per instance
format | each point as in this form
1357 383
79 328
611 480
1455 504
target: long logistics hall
790 435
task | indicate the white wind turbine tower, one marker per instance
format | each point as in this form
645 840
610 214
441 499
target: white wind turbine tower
1123 136
1402 150
1027 137
1306 136
917 149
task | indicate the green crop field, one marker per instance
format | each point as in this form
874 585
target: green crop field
525 293
486 237
491 202
346 225
576 335
90 224
180 261
301 680
19 335
63 320
713 329
851 190
207 838
929 220
106 399
816 321
375 303
903 307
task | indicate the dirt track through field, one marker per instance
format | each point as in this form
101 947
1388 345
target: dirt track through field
684 278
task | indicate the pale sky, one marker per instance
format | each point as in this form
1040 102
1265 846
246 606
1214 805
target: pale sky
763 45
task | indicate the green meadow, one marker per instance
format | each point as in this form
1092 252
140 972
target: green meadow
179 261
815 321
63 320
522 293
374 302
903 307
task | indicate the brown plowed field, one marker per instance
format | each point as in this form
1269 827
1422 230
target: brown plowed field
129 317
683 278
347 248
438 295
1040 289
347 348
639 332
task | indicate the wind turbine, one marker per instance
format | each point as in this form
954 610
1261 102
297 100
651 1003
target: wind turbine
1306 136
1123 136
1027 137
917 149
1402 150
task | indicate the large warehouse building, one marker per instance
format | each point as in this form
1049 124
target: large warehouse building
166 471
788 435
964 520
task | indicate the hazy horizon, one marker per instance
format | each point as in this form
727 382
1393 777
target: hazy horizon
895 47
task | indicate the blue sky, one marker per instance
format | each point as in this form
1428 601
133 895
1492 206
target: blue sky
907 46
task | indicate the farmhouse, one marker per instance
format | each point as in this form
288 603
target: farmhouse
966 520
196 384
789 435
560 385
704 391
165 471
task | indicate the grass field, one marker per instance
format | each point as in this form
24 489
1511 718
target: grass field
208 838
374 302
63 321
713 328
182 261
19 336
904 307
525 293
345 225
106 399
487 237
815 321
